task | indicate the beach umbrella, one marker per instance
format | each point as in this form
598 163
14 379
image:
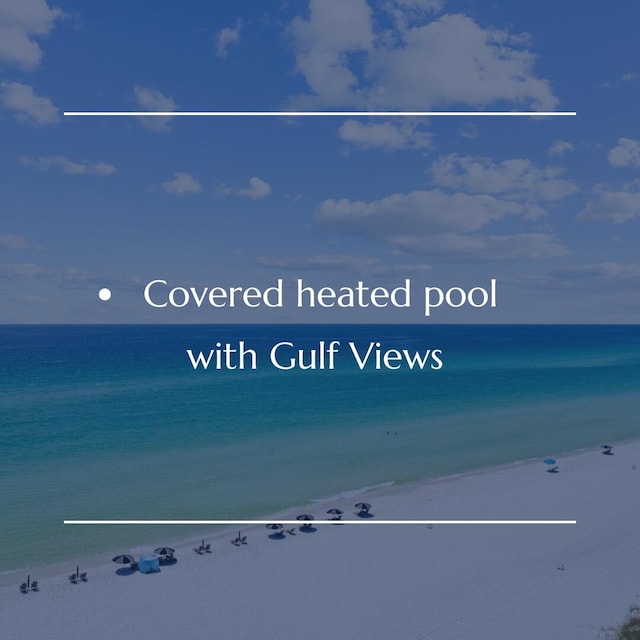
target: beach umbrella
363 506
164 551
149 563
335 512
305 516
275 527
549 461
124 559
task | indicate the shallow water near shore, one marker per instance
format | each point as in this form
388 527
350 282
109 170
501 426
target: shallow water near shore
112 422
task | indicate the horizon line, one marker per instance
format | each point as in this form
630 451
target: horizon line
302 114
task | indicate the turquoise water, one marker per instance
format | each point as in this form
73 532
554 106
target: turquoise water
112 422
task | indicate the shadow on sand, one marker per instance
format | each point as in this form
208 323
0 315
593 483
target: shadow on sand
307 529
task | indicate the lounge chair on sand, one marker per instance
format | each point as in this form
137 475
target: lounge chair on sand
238 540
34 585
73 578
23 588
83 577
199 550
291 532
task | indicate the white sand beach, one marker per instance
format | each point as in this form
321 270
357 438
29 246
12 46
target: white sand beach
384 582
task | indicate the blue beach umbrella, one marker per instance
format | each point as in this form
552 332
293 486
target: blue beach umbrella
149 563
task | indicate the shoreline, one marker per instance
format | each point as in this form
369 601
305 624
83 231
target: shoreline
389 489
390 581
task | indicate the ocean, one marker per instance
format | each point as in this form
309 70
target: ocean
113 422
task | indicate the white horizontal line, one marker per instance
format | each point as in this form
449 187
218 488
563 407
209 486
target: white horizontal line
314 522
307 114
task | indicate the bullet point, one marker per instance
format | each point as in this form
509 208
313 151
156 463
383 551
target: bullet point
104 294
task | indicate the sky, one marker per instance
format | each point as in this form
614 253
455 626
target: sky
549 207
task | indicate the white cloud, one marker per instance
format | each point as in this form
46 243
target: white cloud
606 274
21 23
181 184
256 190
559 148
333 30
605 277
389 136
418 212
450 60
10 241
67 277
404 13
152 100
472 247
631 76
25 105
616 205
470 131
626 153
438 224
70 167
226 37
516 178
322 262
338 262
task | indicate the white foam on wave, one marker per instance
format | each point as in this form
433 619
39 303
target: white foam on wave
352 493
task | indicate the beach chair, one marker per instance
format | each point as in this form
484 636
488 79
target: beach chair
34 585
73 578
243 540
23 588
199 550
207 549
83 577
235 541
291 532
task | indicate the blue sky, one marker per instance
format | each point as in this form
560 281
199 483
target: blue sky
550 207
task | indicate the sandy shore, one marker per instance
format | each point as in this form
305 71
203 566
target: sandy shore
386 582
